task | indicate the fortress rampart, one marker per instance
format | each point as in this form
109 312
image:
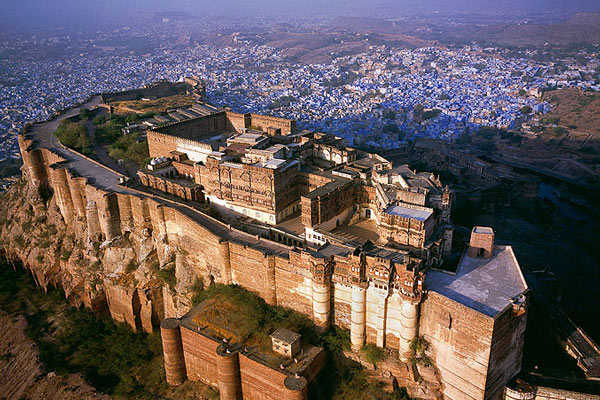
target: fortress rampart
344 288
237 371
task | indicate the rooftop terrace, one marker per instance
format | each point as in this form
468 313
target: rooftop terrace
484 284
405 212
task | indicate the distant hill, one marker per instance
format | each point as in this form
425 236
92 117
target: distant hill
580 28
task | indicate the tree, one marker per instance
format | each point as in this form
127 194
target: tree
526 110
487 146
464 138
431 114
391 128
73 135
388 114
99 120
418 110
85 114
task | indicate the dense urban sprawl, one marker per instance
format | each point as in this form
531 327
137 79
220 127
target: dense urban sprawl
376 98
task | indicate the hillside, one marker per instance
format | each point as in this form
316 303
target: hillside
575 109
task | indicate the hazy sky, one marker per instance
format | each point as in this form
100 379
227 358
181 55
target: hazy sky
31 13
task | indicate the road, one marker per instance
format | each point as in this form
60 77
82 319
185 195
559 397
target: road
110 180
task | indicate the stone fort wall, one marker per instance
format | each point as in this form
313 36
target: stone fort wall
235 371
211 250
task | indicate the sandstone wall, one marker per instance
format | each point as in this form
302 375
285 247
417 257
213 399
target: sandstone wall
260 382
460 341
200 353
264 121
506 351
117 241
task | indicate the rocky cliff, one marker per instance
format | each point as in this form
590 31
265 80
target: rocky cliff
130 275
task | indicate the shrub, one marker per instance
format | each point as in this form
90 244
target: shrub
44 244
132 266
167 276
559 131
196 291
74 135
373 354
111 357
419 347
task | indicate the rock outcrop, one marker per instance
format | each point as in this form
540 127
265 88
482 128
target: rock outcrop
23 376
128 275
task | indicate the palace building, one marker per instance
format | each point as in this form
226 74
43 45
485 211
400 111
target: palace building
367 243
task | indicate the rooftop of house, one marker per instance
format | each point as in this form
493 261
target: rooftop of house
484 284
405 212
483 229
285 335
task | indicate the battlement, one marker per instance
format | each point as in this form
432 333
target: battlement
379 293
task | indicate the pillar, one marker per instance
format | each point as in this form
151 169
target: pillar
295 388
77 188
270 284
108 213
381 318
228 374
125 212
409 323
321 296
358 323
224 254
93 223
33 162
173 351
157 216
58 178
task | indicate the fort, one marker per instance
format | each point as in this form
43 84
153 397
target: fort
306 223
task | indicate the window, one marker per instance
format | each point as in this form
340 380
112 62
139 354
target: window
449 321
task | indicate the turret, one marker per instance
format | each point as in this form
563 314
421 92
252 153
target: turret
173 352
322 293
228 372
